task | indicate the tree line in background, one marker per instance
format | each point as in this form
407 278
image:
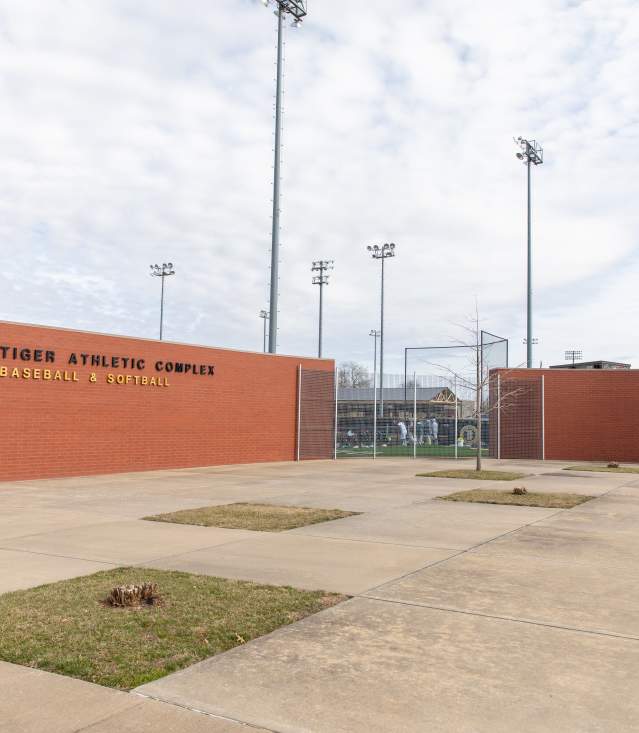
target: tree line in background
352 374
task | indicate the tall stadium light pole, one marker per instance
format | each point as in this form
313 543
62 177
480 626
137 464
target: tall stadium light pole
381 253
321 266
375 334
162 272
264 316
296 9
530 153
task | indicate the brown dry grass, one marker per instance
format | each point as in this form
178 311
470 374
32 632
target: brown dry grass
604 469
469 473
548 501
258 517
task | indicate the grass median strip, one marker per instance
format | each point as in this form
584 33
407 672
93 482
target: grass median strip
548 501
258 517
472 474
604 469
67 627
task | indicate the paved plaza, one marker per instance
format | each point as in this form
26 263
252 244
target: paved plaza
470 618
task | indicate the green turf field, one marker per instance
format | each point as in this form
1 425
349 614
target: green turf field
423 451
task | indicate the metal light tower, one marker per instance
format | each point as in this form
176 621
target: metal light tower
381 253
296 9
264 316
321 266
573 355
531 153
162 272
375 334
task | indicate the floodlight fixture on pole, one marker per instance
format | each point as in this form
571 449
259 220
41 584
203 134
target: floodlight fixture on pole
321 266
297 10
530 153
573 355
163 272
264 316
381 253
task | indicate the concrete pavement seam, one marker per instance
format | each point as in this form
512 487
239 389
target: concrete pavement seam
66 529
118 563
65 557
203 712
462 552
546 624
486 542
378 542
105 718
197 549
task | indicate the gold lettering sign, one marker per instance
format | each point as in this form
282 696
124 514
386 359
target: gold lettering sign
124 379
46 374
68 375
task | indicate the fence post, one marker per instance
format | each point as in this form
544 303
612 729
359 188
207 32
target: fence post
414 415
299 411
498 416
335 430
456 412
543 419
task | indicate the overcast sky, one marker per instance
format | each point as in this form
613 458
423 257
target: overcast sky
141 131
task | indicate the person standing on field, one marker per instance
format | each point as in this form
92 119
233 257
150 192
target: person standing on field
403 432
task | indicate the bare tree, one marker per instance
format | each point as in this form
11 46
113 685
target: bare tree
477 379
352 374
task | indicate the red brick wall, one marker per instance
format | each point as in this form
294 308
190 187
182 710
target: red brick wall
245 413
589 414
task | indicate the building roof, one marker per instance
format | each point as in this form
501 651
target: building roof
391 394
600 364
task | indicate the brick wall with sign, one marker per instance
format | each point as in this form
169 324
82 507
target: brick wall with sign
63 417
588 415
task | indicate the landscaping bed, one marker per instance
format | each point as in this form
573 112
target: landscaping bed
604 469
469 473
257 517
70 628
548 501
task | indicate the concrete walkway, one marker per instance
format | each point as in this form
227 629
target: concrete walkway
463 617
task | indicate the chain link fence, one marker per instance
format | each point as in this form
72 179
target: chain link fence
517 403
454 411
449 402
440 406
424 417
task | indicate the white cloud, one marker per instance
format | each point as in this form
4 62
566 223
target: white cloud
141 132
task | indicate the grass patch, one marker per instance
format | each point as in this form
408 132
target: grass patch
604 469
258 517
548 501
472 474
67 628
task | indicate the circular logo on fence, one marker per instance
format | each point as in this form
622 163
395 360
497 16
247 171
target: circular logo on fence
469 435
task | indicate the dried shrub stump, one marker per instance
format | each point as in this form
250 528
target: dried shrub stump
133 596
